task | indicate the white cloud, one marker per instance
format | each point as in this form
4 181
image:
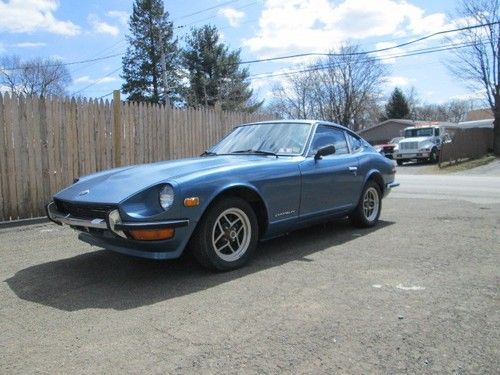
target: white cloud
319 25
30 45
232 15
472 95
25 16
101 27
121 16
400 81
97 81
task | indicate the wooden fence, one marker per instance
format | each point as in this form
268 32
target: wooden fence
466 143
47 142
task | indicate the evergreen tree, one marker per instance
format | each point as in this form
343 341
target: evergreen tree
397 107
214 73
151 35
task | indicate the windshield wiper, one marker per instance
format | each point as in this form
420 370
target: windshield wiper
257 152
208 153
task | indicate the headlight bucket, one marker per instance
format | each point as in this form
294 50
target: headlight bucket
166 197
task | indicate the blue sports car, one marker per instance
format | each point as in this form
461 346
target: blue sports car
261 180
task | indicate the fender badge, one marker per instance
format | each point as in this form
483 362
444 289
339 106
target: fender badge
85 192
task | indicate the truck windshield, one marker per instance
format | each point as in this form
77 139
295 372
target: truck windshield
419 132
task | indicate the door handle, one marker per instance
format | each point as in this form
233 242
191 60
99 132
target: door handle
353 169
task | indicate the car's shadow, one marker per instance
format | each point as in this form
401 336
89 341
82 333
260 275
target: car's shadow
103 279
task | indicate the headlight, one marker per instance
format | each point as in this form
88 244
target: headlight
166 197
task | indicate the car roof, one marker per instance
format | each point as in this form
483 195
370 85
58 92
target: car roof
310 122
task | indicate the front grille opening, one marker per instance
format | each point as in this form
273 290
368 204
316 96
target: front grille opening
84 210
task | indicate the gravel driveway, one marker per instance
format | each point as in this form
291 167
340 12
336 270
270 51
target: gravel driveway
417 294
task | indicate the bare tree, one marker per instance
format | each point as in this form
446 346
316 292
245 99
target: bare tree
452 111
342 88
294 98
34 77
479 63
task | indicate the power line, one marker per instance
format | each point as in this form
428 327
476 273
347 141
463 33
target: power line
73 62
211 17
371 51
205 10
96 82
321 67
103 96
296 55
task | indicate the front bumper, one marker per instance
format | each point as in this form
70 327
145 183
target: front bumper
110 233
412 155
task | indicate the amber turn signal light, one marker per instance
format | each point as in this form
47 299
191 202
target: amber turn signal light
191 201
152 234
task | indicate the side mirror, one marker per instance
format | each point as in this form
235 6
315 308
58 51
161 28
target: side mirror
324 151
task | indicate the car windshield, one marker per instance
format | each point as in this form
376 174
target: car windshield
279 138
420 132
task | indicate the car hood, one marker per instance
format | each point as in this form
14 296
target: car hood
116 185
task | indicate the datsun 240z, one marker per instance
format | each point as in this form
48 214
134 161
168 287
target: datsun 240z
261 180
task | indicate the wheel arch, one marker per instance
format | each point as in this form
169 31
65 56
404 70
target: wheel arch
376 176
251 196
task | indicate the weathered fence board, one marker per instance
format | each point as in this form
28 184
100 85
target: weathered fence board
468 143
47 142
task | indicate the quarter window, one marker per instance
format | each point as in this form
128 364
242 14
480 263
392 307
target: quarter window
355 142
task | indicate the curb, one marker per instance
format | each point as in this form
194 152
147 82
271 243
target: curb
22 222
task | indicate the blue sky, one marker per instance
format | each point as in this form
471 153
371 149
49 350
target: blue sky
74 30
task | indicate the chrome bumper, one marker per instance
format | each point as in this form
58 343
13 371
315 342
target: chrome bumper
389 187
113 223
60 218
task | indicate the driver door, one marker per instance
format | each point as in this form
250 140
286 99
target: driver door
330 184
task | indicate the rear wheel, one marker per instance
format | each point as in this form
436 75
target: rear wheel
400 162
367 212
227 235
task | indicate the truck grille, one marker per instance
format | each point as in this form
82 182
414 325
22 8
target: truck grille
408 145
84 210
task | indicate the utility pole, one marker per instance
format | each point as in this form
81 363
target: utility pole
164 71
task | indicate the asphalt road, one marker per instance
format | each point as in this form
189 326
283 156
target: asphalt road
416 294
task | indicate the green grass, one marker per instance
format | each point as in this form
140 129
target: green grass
465 165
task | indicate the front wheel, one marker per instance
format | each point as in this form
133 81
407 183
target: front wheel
227 235
367 211
400 162
433 158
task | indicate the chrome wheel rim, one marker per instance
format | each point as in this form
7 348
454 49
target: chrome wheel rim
371 204
231 234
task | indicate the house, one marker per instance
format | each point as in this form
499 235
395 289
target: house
479 114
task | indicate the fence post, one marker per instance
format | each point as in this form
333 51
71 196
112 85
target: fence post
117 129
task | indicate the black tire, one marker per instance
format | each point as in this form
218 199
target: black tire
221 246
368 210
434 157
400 162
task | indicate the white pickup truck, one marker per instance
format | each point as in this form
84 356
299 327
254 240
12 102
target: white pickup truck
421 143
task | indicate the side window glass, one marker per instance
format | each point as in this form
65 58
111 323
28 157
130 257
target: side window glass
355 142
326 135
